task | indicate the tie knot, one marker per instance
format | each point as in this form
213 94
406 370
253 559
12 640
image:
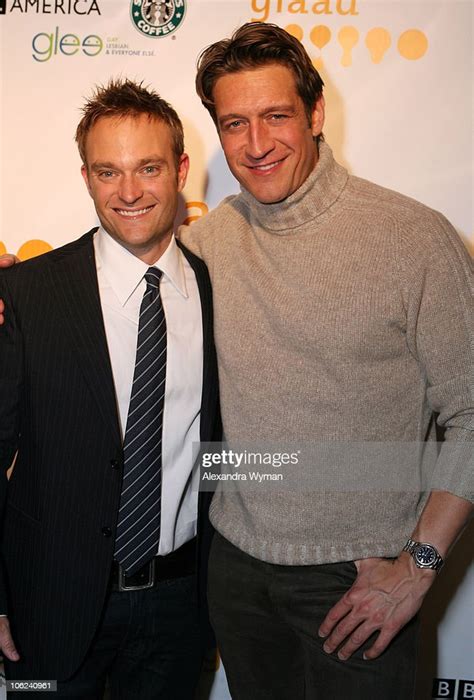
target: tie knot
153 276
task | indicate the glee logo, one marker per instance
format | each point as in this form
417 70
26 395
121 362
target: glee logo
46 45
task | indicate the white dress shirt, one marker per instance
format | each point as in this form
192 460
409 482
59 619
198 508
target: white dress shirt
121 288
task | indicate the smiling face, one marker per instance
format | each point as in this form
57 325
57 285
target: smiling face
264 131
132 176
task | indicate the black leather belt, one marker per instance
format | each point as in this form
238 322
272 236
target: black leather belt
181 562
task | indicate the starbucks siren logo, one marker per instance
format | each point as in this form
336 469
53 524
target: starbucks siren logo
155 18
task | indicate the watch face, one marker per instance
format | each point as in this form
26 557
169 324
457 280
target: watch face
425 554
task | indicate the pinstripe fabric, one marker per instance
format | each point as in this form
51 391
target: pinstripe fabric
138 528
58 408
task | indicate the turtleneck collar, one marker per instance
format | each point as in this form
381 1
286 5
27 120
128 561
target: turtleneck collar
317 193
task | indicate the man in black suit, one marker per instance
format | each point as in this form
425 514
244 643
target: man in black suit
92 588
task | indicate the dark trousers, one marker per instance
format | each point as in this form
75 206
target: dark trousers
149 646
266 618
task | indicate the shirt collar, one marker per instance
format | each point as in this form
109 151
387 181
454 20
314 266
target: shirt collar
124 271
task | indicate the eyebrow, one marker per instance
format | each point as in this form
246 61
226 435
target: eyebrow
108 165
267 110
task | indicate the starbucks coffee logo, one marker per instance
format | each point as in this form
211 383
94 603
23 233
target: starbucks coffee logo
156 19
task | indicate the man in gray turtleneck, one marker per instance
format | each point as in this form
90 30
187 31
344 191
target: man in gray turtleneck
343 314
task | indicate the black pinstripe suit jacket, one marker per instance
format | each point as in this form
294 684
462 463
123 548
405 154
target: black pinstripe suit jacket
58 409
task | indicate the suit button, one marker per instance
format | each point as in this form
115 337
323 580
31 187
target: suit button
106 531
114 463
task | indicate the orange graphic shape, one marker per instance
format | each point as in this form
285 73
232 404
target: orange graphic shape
348 38
3 250
295 30
378 41
318 63
203 209
320 36
412 44
31 249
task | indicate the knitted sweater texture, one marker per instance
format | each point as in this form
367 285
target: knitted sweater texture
344 313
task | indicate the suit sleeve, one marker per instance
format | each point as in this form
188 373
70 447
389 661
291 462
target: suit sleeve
10 386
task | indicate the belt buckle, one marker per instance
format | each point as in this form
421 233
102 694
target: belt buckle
122 586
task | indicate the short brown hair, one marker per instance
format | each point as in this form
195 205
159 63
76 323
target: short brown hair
124 98
253 45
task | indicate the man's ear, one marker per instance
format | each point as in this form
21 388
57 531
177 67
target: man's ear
183 169
317 116
85 175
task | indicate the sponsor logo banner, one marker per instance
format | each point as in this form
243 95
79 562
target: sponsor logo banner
51 7
157 19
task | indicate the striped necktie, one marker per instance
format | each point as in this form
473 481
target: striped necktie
138 529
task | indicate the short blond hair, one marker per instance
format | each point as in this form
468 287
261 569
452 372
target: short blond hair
123 98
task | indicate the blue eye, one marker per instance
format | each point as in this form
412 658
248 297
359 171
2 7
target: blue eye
233 125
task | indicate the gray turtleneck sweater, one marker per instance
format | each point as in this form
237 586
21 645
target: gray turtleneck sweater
344 313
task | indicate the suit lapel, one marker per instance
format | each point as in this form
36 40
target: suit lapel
74 276
209 357
210 419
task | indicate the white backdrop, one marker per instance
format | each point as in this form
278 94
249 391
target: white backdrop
398 77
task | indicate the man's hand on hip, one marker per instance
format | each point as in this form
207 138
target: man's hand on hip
7 645
385 596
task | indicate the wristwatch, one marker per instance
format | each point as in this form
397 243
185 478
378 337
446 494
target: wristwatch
425 555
